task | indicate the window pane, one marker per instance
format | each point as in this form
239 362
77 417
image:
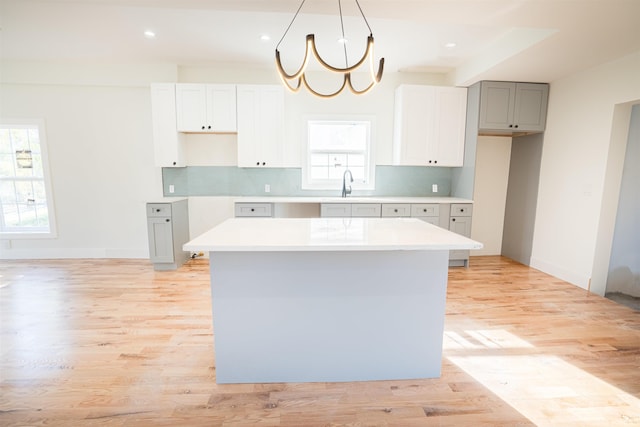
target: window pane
321 172
358 173
6 165
338 136
338 160
5 141
354 160
336 173
320 160
23 201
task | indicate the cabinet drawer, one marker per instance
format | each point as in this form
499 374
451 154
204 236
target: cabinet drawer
367 210
425 209
461 209
253 209
396 209
335 210
158 209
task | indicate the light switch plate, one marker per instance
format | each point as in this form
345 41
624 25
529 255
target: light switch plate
434 188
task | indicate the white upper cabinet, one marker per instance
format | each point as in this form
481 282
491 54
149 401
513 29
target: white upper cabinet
168 144
261 132
429 125
206 108
509 107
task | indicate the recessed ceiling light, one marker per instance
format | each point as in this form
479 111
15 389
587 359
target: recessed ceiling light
342 41
150 34
450 45
265 37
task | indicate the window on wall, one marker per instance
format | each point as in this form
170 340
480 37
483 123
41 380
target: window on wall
26 205
333 146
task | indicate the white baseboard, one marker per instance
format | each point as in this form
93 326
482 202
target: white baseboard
561 273
74 253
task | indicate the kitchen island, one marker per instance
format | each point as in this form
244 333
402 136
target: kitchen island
328 299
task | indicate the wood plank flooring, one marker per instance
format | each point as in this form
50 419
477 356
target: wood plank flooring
113 343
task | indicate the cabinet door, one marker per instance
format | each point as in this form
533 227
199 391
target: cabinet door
497 101
429 125
460 225
530 109
413 119
446 145
221 108
160 231
260 126
191 107
168 144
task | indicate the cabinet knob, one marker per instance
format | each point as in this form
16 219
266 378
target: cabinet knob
257 163
202 127
429 161
453 219
516 126
253 210
209 127
395 210
175 163
461 210
167 220
510 126
435 161
157 210
264 163
424 210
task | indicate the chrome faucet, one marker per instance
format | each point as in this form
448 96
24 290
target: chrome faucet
346 191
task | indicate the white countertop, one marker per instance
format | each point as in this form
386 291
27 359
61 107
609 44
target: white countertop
356 199
327 234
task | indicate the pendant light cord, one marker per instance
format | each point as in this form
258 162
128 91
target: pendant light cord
365 18
291 23
344 40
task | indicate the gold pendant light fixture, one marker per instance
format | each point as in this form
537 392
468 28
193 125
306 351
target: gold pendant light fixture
298 78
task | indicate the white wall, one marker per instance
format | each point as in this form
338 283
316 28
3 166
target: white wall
98 123
101 161
493 154
574 163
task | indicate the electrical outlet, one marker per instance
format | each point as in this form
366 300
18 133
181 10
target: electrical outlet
172 188
267 188
434 188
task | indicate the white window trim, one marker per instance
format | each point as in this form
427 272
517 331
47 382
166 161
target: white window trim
337 185
26 234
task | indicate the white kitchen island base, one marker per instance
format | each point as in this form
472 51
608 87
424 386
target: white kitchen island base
328 316
328 299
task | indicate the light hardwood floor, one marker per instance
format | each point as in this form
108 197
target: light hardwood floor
111 342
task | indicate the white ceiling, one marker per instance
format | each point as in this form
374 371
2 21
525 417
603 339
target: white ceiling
524 40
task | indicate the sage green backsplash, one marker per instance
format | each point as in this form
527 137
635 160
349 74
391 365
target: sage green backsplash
412 181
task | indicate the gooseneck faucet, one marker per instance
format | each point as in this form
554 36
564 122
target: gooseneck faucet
346 191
